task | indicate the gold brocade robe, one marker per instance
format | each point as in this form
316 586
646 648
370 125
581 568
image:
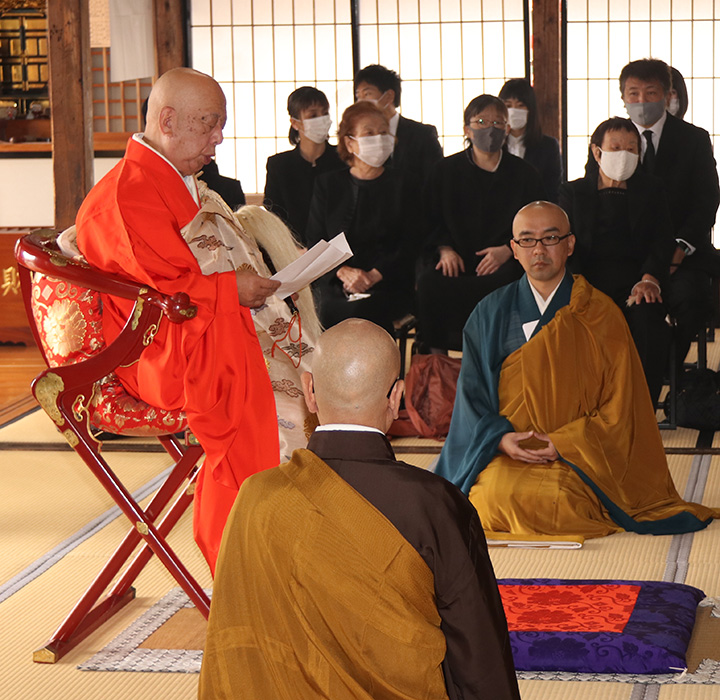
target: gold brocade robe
323 598
580 381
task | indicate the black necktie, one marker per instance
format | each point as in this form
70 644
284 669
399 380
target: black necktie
649 160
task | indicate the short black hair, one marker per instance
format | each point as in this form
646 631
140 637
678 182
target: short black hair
479 103
298 100
647 69
598 136
380 77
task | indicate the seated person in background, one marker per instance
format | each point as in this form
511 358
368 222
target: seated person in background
472 197
624 239
228 188
212 367
677 98
526 139
330 585
291 175
363 201
553 432
681 155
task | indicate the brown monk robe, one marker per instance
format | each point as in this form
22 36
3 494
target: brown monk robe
345 574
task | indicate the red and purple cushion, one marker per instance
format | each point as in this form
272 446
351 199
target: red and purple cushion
594 626
69 321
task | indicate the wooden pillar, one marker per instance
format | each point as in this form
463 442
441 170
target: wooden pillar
169 34
71 105
547 64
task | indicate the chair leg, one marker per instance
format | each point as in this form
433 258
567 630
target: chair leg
88 615
670 422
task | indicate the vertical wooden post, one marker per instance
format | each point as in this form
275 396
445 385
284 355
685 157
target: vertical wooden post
547 64
71 105
169 34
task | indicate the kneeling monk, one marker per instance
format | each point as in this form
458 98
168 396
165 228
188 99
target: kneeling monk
346 574
553 431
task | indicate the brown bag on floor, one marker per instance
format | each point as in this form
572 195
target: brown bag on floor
429 397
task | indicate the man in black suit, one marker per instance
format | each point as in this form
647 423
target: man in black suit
378 568
681 155
417 147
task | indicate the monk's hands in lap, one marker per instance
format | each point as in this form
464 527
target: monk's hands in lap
493 258
450 264
253 289
647 290
512 445
356 280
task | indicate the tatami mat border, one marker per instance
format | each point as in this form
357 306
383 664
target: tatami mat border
41 565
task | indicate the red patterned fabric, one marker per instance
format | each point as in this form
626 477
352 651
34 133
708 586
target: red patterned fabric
568 608
69 320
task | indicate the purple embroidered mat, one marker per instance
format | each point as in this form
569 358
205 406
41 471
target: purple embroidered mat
596 626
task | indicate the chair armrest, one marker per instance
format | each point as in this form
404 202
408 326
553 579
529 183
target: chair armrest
38 252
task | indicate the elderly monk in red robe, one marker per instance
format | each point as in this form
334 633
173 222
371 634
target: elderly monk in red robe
346 574
553 432
211 366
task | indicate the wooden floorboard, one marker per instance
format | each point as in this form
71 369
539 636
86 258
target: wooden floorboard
19 365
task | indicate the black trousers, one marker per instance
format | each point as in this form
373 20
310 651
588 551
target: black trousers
688 298
445 303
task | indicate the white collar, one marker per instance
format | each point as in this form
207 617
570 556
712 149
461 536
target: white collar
656 128
189 180
393 123
543 303
346 428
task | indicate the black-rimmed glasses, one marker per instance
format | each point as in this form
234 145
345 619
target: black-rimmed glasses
485 123
545 240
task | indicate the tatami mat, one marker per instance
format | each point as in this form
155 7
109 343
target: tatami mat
32 481
51 496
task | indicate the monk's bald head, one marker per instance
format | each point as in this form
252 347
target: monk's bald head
542 242
354 365
547 211
186 115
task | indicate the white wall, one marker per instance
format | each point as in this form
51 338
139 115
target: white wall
26 194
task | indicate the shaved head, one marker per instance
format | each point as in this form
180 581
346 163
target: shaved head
186 115
355 365
543 264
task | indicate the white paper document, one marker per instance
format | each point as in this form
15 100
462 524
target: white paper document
314 263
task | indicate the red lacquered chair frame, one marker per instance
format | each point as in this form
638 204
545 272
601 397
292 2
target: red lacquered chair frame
65 394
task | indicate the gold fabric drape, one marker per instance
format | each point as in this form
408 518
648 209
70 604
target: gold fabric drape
318 595
577 382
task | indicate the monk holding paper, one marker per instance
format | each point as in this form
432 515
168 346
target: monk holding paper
212 366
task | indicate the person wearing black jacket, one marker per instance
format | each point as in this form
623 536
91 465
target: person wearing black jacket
681 155
291 175
364 201
471 198
624 239
526 139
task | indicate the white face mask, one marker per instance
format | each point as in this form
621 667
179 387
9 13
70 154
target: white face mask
674 106
317 129
377 101
517 118
374 150
618 165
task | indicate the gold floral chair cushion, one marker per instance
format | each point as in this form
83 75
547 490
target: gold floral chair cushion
69 322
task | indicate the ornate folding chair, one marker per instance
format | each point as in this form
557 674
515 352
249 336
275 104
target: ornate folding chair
81 394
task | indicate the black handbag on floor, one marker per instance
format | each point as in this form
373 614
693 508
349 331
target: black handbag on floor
698 400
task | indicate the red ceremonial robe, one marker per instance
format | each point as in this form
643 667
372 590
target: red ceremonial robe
211 366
